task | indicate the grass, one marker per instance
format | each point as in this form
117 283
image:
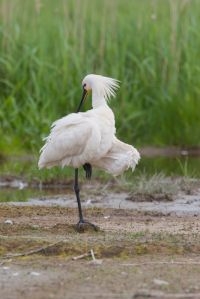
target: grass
47 46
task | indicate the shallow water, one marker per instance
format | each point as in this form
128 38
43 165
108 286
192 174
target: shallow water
19 191
181 205
171 166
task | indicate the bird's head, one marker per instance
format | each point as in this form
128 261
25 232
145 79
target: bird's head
102 86
88 82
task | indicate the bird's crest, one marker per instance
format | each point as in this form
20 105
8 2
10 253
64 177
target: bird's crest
103 86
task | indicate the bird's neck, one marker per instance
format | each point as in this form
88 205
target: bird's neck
98 100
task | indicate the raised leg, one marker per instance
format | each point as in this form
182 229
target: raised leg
88 170
82 224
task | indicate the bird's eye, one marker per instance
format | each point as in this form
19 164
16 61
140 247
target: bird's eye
84 85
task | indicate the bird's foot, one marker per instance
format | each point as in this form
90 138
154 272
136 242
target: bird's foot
88 170
83 225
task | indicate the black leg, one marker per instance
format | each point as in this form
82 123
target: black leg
82 223
77 190
88 170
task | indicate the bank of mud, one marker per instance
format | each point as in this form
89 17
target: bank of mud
139 253
147 246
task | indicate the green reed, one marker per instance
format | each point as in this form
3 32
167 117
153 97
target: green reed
151 46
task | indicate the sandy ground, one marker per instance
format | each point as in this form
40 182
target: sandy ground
137 254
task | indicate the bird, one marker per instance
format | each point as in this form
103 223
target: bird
88 139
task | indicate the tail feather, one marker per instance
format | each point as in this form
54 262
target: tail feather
119 158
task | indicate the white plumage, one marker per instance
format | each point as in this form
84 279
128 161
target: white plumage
89 137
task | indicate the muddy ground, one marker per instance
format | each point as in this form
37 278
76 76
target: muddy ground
137 254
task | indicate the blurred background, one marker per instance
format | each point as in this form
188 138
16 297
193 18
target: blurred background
151 46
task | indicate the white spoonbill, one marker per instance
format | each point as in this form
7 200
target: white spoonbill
88 138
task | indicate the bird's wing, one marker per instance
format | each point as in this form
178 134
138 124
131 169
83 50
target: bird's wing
72 141
119 158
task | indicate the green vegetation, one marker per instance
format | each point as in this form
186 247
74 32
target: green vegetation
152 46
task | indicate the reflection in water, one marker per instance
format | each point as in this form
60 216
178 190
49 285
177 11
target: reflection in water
171 166
23 195
18 191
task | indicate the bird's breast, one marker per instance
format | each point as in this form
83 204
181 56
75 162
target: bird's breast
105 120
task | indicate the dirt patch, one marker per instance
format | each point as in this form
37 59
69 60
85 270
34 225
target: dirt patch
150 197
141 254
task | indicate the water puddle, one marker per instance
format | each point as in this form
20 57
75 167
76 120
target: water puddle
180 205
176 166
18 192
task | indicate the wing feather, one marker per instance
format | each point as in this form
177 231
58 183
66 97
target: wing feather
119 158
72 141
